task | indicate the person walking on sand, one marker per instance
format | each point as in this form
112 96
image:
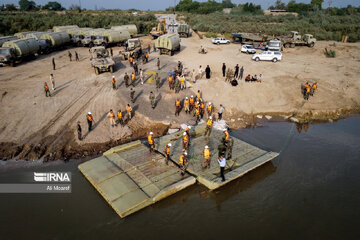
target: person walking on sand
200 72
207 72
53 63
47 91
128 113
76 56
133 79
79 130
241 72
152 99
157 80
141 76
126 79
223 69
111 116
90 120
236 74
52 81
120 117
158 63
220 112
70 55
222 164
177 107
113 81
132 94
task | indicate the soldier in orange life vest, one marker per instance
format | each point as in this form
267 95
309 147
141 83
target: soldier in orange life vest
196 106
120 117
90 120
202 109
209 124
207 156
226 137
209 109
133 79
313 88
128 111
177 107
187 105
306 86
131 61
151 142
183 163
198 96
185 141
192 102
167 153
171 80
47 91
308 89
147 57
111 116
182 82
113 82
197 114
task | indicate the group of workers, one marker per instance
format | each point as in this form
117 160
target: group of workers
308 90
254 78
224 149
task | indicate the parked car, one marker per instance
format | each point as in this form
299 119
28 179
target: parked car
220 41
248 49
268 56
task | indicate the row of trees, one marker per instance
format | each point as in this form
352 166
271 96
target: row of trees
26 5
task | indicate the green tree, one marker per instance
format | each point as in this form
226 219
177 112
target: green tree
55 6
317 3
9 7
26 5
227 4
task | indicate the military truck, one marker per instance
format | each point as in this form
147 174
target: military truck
17 50
133 49
295 39
184 30
112 37
132 29
168 44
101 60
254 39
57 39
76 40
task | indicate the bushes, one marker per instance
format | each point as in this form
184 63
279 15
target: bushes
330 53
211 35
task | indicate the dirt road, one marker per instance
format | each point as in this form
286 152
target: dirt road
33 125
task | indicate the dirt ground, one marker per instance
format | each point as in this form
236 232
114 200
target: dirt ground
34 126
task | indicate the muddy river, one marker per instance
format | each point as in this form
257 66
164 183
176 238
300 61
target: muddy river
311 191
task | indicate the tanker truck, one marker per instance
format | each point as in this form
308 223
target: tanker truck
184 30
112 37
17 50
57 39
132 29
168 43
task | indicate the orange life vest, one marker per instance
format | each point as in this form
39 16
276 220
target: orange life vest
226 136
177 103
119 115
186 102
196 105
170 79
146 55
197 112
182 80
132 76
167 151
308 90
306 85
314 86
113 80
46 87
112 115
181 160
209 107
206 153
191 101
202 105
209 122
198 95
131 59
90 118
128 109
185 138
150 139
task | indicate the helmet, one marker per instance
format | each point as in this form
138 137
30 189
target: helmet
89 113
151 133
169 144
185 153
192 96
184 133
113 76
210 117
189 127
186 98
206 146
210 103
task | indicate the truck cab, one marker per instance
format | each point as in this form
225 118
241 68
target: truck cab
7 56
274 45
76 39
101 41
88 40
309 40
295 35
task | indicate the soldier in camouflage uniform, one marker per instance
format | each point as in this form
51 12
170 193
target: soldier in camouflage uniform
157 80
152 99
229 148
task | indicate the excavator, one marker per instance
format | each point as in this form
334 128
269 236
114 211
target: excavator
159 30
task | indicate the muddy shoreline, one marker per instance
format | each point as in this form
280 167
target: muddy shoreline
64 147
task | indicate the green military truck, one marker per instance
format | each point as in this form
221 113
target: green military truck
184 30
168 44
295 39
17 50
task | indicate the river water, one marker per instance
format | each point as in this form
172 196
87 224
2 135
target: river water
311 191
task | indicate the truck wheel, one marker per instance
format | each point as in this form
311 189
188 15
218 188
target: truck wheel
218 43
12 64
91 45
311 44
292 45
111 69
287 45
257 59
96 71
171 53
274 60
104 45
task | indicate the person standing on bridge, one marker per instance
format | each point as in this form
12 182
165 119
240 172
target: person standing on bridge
79 131
183 163
113 81
187 105
90 120
209 124
151 142
152 99
223 69
167 153
185 141
207 157
111 116
177 107
222 163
